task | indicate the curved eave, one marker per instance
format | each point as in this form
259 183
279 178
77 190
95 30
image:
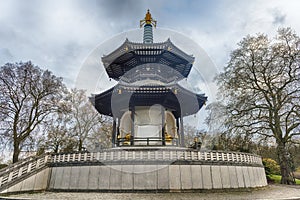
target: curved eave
179 52
129 46
183 100
130 55
102 102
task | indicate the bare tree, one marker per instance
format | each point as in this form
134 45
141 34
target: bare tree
28 95
84 118
261 90
80 127
190 132
100 136
58 136
222 139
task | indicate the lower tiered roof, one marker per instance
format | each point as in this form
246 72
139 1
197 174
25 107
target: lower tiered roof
117 100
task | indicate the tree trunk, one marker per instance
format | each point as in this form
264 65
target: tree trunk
16 152
80 145
285 164
56 148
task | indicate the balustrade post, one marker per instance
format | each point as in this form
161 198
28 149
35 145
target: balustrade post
29 167
20 171
119 155
46 159
37 163
104 155
85 156
91 158
260 161
192 155
111 155
227 157
10 176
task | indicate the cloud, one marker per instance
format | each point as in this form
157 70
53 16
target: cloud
279 17
5 55
59 35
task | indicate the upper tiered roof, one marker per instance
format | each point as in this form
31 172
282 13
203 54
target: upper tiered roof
130 55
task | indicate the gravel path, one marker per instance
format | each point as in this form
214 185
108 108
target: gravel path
275 192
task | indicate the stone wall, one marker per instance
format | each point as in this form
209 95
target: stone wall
155 177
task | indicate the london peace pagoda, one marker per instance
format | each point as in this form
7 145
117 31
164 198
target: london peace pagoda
148 153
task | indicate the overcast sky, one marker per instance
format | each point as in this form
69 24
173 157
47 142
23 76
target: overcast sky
60 34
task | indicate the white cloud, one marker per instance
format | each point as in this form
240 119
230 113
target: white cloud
60 34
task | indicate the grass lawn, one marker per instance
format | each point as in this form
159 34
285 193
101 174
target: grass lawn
277 179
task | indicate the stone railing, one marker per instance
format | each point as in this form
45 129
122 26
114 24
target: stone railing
140 154
26 167
22 169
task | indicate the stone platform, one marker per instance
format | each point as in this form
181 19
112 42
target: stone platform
136 169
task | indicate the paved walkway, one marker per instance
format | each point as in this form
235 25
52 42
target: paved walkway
276 192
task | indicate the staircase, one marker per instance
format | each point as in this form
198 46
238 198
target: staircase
19 171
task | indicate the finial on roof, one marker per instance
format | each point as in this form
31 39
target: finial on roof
148 20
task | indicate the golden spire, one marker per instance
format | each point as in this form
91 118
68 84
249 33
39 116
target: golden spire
148 20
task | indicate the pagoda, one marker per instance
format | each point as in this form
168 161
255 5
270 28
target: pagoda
148 104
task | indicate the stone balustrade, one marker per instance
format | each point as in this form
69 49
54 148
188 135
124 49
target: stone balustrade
158 154
130 156
22 169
